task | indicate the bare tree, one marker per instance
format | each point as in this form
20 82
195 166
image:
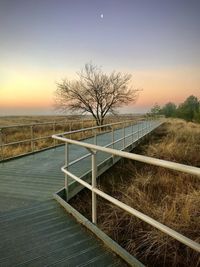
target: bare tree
95 92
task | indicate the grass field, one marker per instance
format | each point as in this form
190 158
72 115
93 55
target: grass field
170 197
16 120
34 129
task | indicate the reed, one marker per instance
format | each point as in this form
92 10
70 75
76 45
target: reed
41 133
170 197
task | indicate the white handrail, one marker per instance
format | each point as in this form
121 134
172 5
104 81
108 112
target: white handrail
149 160
32 140
96 127
183 239
44 123
93 148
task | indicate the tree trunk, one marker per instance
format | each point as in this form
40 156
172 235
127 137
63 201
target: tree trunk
101 121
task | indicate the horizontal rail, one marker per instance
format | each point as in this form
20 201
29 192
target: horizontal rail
27 140
79 159
32 139
95 127
50 136
94 148
149 160
165 229
120 139
45 123
76 178
183 239
30 152
89 154
110 144
16 143
57 122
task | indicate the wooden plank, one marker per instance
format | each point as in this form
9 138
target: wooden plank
35 231
42 238
36 176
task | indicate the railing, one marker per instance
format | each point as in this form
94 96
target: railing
142 128
94 149
31 131
30 134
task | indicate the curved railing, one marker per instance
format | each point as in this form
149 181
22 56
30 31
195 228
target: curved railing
93 149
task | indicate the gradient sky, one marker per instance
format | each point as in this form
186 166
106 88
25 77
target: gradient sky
43 41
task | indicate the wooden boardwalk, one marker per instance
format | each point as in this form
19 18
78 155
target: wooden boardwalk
34 229
45 235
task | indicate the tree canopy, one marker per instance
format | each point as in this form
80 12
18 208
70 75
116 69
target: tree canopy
95 92
188 110
156 110
169 109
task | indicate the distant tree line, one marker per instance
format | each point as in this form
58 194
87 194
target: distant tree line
189 110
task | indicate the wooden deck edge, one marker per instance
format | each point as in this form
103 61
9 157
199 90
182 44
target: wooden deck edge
30 153
116 248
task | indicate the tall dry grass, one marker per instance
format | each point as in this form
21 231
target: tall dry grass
170 197
43 132
38 130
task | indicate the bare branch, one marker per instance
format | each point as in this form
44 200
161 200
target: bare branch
95 92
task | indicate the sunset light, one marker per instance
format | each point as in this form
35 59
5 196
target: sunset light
42 43
99 133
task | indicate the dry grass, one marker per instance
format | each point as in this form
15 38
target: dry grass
17 133
170 197
63 124
181 143
18 120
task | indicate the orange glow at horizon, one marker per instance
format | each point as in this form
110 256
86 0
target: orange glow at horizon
21 88
162 86
28 88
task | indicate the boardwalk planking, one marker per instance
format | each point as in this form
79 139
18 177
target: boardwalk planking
34 229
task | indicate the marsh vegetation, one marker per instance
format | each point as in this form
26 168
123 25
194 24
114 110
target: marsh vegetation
39 129
170 197
21 130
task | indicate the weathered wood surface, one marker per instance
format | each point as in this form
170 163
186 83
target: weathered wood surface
34 229
45 235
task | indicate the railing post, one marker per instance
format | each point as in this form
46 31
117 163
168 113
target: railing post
95 137
113 141
32 142
54 131
113 138
66 166
132 133
138 130
1 143
82 134
94 197
123 136
70 129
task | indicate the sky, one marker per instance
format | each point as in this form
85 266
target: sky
44 41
